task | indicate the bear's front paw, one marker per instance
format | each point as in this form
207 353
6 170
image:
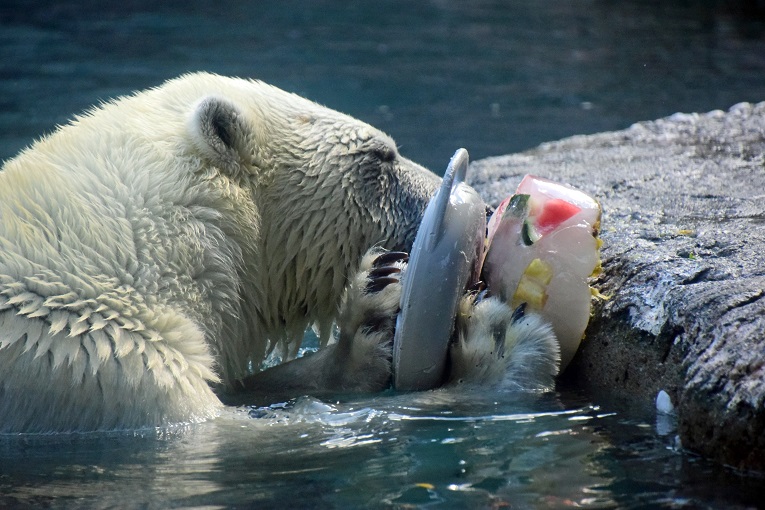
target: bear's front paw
382 296
368 319
496 345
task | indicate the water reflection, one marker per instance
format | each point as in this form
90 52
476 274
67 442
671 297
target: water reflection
426 448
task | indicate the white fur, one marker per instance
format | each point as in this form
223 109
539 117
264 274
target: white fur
170 240
369 349
493 349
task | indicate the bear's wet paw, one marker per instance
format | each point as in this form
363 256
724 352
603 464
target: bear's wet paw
368 317
371 301
498 345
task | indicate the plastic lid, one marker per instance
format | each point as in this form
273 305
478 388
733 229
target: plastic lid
442 262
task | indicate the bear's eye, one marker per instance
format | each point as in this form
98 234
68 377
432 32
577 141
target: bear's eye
385 154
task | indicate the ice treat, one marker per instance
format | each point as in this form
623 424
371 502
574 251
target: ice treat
542 249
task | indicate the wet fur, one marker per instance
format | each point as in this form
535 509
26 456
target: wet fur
494 346
158 247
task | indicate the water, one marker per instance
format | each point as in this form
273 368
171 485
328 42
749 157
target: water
422 450
492 76
433 449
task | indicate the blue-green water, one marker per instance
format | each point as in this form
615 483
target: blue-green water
492 76
435 449
432 449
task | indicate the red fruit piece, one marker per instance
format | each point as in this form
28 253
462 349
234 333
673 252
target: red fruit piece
555 212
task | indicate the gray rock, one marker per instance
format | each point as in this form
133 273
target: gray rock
684 265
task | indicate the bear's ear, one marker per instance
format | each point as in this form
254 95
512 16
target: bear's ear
218 130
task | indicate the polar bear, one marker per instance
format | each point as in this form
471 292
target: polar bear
155 250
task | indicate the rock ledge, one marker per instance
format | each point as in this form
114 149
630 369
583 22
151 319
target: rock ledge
684 265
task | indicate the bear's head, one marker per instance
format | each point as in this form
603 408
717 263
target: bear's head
242 206
326 186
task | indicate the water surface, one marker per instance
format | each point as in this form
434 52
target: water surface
434 449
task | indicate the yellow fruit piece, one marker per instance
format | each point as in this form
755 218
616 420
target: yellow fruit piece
539 270
532 287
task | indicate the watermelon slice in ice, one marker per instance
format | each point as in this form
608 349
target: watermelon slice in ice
542 250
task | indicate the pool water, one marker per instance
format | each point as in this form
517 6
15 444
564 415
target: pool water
492 76
433 449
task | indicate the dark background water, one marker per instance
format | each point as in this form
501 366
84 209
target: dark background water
492 76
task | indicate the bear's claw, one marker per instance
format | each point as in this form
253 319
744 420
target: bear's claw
382 275
390 257
384 271
518 314
376 284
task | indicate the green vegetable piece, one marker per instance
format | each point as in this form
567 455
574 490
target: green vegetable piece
518 205
529 234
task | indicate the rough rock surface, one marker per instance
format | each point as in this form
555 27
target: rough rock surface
684 265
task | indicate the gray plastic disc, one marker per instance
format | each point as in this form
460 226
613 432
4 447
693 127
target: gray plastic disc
443 260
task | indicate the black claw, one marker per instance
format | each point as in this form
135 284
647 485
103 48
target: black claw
518 313
489 213
477 287
390 257
481 296
479 290
383 271
378 284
